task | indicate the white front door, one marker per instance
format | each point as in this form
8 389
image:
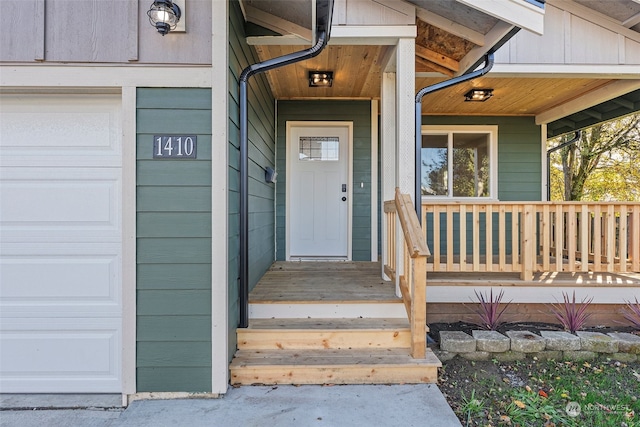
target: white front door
318 196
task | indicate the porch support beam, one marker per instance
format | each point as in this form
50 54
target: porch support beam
595 97
405 137
405 91
375 107
387 153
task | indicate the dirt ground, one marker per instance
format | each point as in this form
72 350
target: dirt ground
461 380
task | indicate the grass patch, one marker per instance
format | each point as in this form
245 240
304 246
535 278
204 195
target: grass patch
543 393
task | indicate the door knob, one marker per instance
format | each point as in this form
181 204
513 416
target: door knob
344 199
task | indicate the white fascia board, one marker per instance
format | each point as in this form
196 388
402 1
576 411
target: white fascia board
288 40
345 35
103 76
606 71
595 97
516 12
275 23
634 20
371 34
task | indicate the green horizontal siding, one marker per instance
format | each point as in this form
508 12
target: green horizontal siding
174 172
173 244
261 136
174 276
195 379
173 329
358 112
174 224
153 354
170 302
174 199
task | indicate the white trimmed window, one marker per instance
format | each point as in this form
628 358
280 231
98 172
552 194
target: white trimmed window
459 162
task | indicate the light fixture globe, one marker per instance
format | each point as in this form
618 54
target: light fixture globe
164 15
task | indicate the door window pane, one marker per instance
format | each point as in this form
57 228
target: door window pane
470 165
434 165
319 148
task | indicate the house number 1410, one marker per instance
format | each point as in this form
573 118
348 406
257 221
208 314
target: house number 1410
175 146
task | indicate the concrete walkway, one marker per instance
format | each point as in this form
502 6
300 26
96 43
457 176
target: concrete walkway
271 406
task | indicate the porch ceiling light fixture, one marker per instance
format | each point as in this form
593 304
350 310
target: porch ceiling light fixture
478 95
164 15
320 78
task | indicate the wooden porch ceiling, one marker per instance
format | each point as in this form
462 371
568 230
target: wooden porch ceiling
357 75
449 33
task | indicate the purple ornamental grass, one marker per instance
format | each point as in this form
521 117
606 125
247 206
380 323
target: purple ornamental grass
631 312
573 316
489 311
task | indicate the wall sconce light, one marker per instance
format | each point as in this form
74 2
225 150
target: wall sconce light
320 78
164 15
478 95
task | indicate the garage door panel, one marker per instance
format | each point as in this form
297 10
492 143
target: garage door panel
67 281
60 204
60 243
59 355
66 130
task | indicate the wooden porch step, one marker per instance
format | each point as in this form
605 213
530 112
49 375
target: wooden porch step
361 366
283 334
327 309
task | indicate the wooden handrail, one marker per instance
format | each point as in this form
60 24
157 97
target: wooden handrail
413 280
413 236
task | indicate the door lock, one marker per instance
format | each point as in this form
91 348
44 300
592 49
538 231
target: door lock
344 188
344 199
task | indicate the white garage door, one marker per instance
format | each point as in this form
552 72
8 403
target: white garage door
60 243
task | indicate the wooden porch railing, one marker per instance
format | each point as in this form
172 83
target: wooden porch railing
413 279
528 237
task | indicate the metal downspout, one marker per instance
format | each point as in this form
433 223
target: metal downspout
323 25
572 141
425 91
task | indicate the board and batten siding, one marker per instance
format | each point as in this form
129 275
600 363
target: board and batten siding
519 172
36 31
359 112
173 244
261 132
573 35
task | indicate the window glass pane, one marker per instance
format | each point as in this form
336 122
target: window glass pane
470 165
434 165
319 148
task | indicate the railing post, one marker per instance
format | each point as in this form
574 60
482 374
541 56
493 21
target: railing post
634 241
528 243
419 308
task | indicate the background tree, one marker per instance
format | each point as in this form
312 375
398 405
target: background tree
603 165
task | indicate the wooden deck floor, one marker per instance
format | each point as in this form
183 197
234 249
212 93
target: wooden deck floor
323 281
361 282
